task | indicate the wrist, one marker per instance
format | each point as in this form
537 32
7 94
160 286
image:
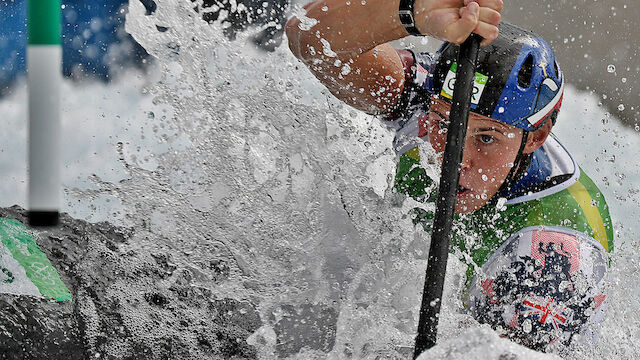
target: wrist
420 10
406 13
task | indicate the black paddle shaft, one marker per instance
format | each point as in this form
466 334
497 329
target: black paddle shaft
447 195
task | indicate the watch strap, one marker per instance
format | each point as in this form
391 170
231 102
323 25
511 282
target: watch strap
405 13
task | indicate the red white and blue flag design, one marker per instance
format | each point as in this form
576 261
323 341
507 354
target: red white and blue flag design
544 285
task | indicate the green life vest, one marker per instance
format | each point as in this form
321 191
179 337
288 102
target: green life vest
24 268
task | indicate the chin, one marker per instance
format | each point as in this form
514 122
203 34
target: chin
460 209
463 208
467 204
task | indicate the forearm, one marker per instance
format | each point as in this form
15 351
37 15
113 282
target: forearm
344 42
344 29
338 43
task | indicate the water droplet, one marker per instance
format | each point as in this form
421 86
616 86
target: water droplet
483 196
624 80
325 8
500 109
611 68
511 135
637 127
363 2
485 177
480 170
621 107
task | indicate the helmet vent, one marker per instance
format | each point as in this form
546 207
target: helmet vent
524 75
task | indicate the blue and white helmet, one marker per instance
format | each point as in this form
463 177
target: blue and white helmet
518 80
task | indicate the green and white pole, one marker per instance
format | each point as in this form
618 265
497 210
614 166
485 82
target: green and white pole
44 74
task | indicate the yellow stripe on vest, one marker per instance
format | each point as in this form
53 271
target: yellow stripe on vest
413 153
582 197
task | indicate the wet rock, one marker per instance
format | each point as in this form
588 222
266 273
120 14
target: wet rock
33 328
128 301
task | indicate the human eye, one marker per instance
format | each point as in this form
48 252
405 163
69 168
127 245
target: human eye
486 139
443 123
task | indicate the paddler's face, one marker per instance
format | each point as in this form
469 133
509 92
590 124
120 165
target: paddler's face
490 150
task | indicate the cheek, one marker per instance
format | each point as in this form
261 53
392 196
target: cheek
500 161
437 139
496 164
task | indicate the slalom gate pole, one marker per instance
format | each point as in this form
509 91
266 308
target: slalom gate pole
44 74
447 196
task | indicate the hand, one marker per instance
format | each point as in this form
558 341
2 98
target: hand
455 20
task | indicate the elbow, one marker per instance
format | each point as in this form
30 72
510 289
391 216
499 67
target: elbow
293 32
298 42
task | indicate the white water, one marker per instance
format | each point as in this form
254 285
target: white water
221 144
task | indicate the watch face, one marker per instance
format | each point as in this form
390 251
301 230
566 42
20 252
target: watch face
405 13
406 18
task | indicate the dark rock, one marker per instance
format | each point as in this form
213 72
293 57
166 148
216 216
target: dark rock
129 302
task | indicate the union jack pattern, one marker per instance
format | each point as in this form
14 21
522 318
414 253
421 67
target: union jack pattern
546 310
541 288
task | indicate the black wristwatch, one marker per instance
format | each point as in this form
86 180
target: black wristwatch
405 12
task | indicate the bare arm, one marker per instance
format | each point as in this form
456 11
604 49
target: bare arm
344 43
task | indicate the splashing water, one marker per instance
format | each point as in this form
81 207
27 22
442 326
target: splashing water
293 183
301 196
231 151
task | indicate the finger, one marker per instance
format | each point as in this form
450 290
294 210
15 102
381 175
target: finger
309 4
490 16
488 32
458 31
496 5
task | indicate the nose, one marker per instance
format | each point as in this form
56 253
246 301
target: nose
466 157
466 163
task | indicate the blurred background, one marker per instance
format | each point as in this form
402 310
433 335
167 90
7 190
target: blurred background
96 45
597 41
